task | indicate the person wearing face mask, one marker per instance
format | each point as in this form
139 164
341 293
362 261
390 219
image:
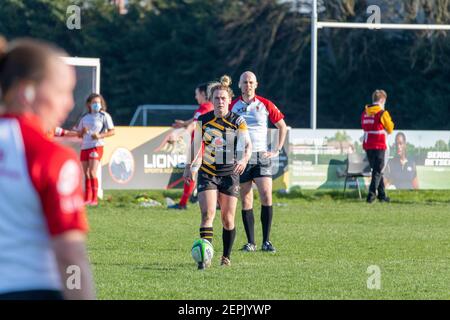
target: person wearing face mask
401 171
376 123
43 221
93 127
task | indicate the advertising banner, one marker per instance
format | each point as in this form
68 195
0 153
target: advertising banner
155 158
414 160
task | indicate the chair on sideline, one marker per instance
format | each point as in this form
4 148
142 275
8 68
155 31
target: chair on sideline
357 166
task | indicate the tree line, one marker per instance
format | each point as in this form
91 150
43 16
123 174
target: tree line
160 49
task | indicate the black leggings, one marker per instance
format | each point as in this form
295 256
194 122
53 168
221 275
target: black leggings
376 160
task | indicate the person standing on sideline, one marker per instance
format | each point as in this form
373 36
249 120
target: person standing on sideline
205 106
43 222
257 111
93 127
376 123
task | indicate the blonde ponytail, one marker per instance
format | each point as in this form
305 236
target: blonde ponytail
224 84
225 80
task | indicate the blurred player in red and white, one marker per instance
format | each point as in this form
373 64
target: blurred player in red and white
42 216
205 106
93 127
257 111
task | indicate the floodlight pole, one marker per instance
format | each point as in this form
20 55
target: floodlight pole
313 107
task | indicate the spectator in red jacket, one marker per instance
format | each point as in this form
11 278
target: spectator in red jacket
376 123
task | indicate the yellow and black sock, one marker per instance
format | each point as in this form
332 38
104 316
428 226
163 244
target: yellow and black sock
207 233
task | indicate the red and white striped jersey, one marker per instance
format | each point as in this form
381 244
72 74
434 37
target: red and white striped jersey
256 114
40 197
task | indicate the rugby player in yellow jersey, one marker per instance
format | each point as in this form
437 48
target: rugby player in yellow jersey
220 152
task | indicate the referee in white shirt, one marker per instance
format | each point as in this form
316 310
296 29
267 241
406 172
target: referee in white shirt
257 111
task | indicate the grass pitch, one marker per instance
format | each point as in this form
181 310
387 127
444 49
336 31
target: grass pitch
325 244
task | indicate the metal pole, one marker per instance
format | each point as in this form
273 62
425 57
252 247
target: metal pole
389 26
314 19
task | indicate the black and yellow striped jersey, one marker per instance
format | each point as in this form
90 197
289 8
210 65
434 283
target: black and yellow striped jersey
223 141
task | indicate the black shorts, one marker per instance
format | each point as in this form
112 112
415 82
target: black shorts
228 185
257 167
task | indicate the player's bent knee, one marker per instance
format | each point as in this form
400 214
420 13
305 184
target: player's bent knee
228 222
229 225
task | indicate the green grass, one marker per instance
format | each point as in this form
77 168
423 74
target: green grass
325 244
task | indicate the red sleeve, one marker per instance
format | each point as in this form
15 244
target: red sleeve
203 108
275 114
232 104
55 173
206 107
62 195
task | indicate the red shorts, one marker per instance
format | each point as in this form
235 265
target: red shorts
92 154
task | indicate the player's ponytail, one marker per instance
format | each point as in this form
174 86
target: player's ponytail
225 80
224 84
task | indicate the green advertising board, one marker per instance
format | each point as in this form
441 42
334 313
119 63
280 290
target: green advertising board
318 159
